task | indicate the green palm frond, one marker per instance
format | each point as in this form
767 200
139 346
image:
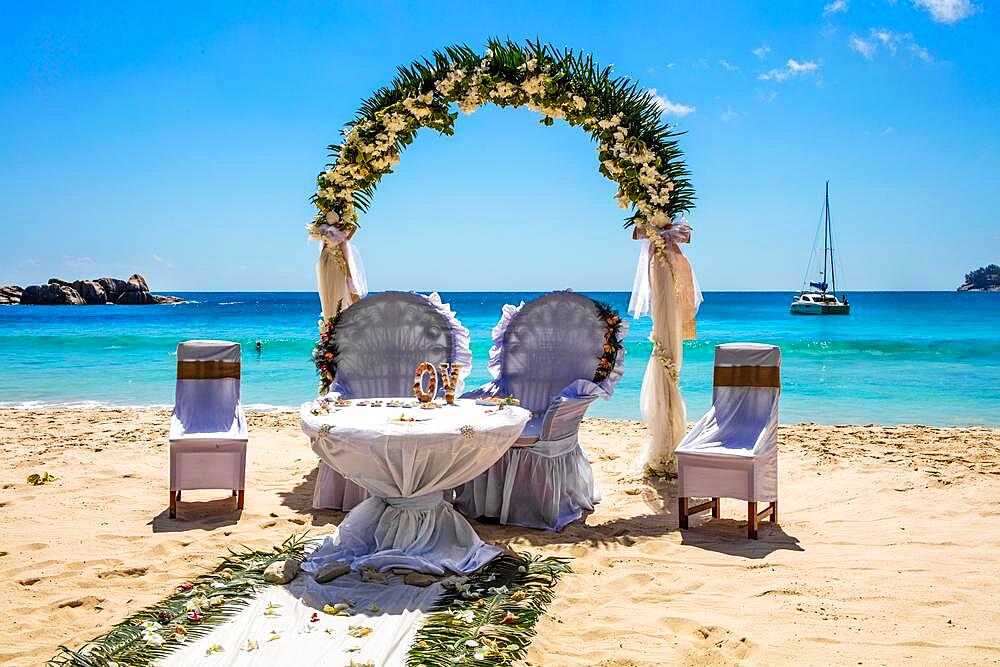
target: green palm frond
572 73
490 619
236 579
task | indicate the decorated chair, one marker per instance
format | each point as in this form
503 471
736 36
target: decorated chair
556 355
732 451
208 432
377 344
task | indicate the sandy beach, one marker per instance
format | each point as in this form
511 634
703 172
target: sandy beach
886 551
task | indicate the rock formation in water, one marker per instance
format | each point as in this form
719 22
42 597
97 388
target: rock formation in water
10 294
58 292
983 279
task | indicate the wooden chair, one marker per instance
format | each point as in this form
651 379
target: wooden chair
208 431
732 452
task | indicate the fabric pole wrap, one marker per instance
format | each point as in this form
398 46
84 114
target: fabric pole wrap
340 275
666 288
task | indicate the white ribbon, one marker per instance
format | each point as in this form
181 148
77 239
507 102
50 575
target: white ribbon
357 283
639 302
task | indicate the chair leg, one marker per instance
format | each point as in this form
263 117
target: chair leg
234 493
682 513
173 504
774 512
716 511
239 500
752 520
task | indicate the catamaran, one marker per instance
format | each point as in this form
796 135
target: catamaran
815 299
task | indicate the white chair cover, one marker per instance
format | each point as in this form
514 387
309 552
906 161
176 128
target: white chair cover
208 431
381 339
732 452
545 353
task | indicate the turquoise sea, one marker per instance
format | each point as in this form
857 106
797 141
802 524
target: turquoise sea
901 357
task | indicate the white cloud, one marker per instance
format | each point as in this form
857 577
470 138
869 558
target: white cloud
921 52
835 7
888 38
79 262
670 108
865 48
948 11
160 260
792 68
729 115
767 96
728 66
761 51
891 41
889 130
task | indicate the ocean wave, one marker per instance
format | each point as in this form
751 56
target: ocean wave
955 349
79 405
269 407
95 405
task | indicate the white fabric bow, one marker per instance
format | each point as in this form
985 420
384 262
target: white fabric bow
357 283
641 299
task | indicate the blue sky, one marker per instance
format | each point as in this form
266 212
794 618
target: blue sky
182 141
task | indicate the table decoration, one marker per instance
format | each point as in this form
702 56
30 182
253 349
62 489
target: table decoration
425 369
449 378
494 401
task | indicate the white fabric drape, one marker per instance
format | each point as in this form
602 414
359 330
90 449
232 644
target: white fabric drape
666 288
407 466
300 641
340 274
641 298
208 408
547 485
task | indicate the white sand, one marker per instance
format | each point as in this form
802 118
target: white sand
887 550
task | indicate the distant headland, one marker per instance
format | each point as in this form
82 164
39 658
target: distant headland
97 292
983 279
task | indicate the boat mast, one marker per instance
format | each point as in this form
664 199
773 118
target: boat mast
826 231
829 232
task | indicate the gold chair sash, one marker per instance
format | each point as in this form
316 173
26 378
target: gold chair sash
747 376
208 370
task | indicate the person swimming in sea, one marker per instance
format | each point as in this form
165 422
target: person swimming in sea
260 348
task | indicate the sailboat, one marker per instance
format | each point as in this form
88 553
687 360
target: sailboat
816 299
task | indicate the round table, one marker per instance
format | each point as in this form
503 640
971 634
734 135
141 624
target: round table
407 466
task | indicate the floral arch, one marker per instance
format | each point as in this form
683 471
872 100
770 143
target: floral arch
636 149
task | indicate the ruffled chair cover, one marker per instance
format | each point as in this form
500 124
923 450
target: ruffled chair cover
381 339
545 353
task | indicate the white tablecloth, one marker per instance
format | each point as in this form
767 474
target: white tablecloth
407 467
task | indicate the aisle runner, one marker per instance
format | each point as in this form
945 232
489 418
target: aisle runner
286 625
231 616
